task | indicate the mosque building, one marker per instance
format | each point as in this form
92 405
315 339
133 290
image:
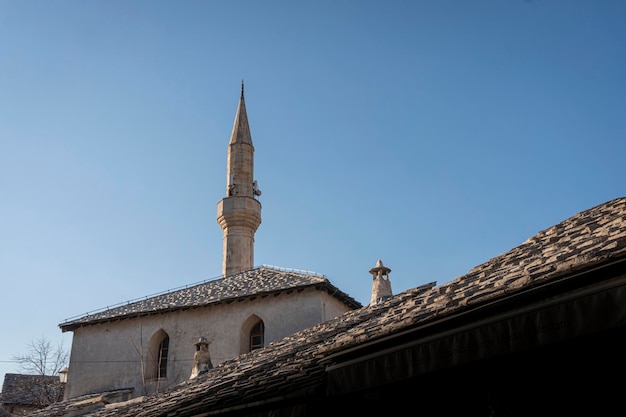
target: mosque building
150 344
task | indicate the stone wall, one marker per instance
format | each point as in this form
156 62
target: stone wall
111 355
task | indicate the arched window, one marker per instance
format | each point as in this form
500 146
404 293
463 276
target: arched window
163 348
156 361
252 334
257 335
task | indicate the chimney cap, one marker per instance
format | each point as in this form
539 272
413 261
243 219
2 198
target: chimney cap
202 341
380 267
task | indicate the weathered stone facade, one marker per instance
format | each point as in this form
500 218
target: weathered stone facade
116 354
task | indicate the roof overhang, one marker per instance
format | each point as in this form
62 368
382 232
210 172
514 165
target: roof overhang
573 306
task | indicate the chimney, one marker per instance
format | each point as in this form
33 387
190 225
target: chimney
201 359
381 286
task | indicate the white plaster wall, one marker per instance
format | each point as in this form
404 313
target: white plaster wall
108 356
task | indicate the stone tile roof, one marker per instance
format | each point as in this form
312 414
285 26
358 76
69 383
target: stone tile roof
88 402
296 364
30 390
252 283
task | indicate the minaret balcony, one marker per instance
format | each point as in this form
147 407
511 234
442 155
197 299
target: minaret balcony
239 211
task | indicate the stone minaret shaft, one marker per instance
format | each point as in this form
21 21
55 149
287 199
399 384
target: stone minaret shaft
239 213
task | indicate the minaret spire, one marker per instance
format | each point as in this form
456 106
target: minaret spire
239 213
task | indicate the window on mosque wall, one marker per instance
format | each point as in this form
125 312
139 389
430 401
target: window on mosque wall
156 360
252 334
257 335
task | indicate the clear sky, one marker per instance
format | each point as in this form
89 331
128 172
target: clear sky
433 135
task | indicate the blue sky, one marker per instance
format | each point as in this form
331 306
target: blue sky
433 135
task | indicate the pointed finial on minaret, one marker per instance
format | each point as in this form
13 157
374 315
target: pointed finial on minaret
242 88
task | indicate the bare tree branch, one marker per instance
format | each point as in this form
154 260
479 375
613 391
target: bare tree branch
42 358
42 362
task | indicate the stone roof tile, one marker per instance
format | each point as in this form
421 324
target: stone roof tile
247 284
31 390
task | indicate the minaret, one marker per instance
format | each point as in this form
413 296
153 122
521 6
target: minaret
239 213
381 286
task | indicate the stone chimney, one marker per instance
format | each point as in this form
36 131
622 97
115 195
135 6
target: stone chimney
381 286
201 359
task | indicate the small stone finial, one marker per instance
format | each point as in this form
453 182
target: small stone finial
381 286
242 88
201 359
